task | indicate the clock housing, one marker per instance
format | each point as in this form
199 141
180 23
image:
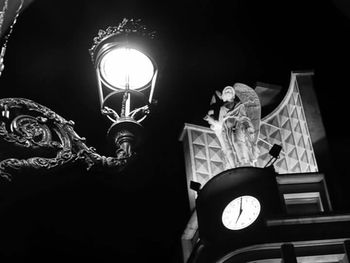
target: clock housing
224 192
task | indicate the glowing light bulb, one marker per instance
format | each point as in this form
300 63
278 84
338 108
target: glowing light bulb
125 68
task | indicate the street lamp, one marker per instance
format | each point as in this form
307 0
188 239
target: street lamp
126 76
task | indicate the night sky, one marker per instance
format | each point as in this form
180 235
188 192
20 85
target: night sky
202 46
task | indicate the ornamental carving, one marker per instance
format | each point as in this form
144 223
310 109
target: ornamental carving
124 28
25 124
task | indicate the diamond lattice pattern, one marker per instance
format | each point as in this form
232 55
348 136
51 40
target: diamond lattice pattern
287 127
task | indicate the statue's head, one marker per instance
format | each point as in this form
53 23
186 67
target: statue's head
228 94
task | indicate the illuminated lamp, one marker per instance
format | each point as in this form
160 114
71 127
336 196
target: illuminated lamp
126 76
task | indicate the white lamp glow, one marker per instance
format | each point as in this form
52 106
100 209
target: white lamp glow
123 68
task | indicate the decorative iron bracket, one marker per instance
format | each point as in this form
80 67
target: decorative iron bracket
27 125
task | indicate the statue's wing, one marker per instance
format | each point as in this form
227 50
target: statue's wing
250 99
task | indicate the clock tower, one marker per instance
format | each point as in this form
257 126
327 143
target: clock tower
254 214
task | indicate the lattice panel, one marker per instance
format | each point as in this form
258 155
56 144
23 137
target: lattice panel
207 157
287 126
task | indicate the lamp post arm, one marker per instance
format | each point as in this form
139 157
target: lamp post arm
28 128
91 158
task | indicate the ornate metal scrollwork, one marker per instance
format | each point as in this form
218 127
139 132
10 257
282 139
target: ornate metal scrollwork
26 124
29 132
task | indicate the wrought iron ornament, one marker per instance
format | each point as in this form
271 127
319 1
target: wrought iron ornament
2 19
27 124
2 14
125 28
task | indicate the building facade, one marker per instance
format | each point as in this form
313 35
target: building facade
293 219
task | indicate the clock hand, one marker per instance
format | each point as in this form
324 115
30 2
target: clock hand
240 209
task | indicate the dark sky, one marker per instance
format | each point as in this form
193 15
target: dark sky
202 46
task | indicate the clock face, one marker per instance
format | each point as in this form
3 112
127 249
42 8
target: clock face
241 212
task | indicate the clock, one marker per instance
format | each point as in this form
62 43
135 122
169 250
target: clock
233 206
241 212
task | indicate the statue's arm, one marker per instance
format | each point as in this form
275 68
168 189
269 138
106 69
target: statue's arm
209 119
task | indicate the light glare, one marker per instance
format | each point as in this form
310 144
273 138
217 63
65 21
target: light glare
125 67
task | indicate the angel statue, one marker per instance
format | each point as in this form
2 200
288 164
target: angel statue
236 123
